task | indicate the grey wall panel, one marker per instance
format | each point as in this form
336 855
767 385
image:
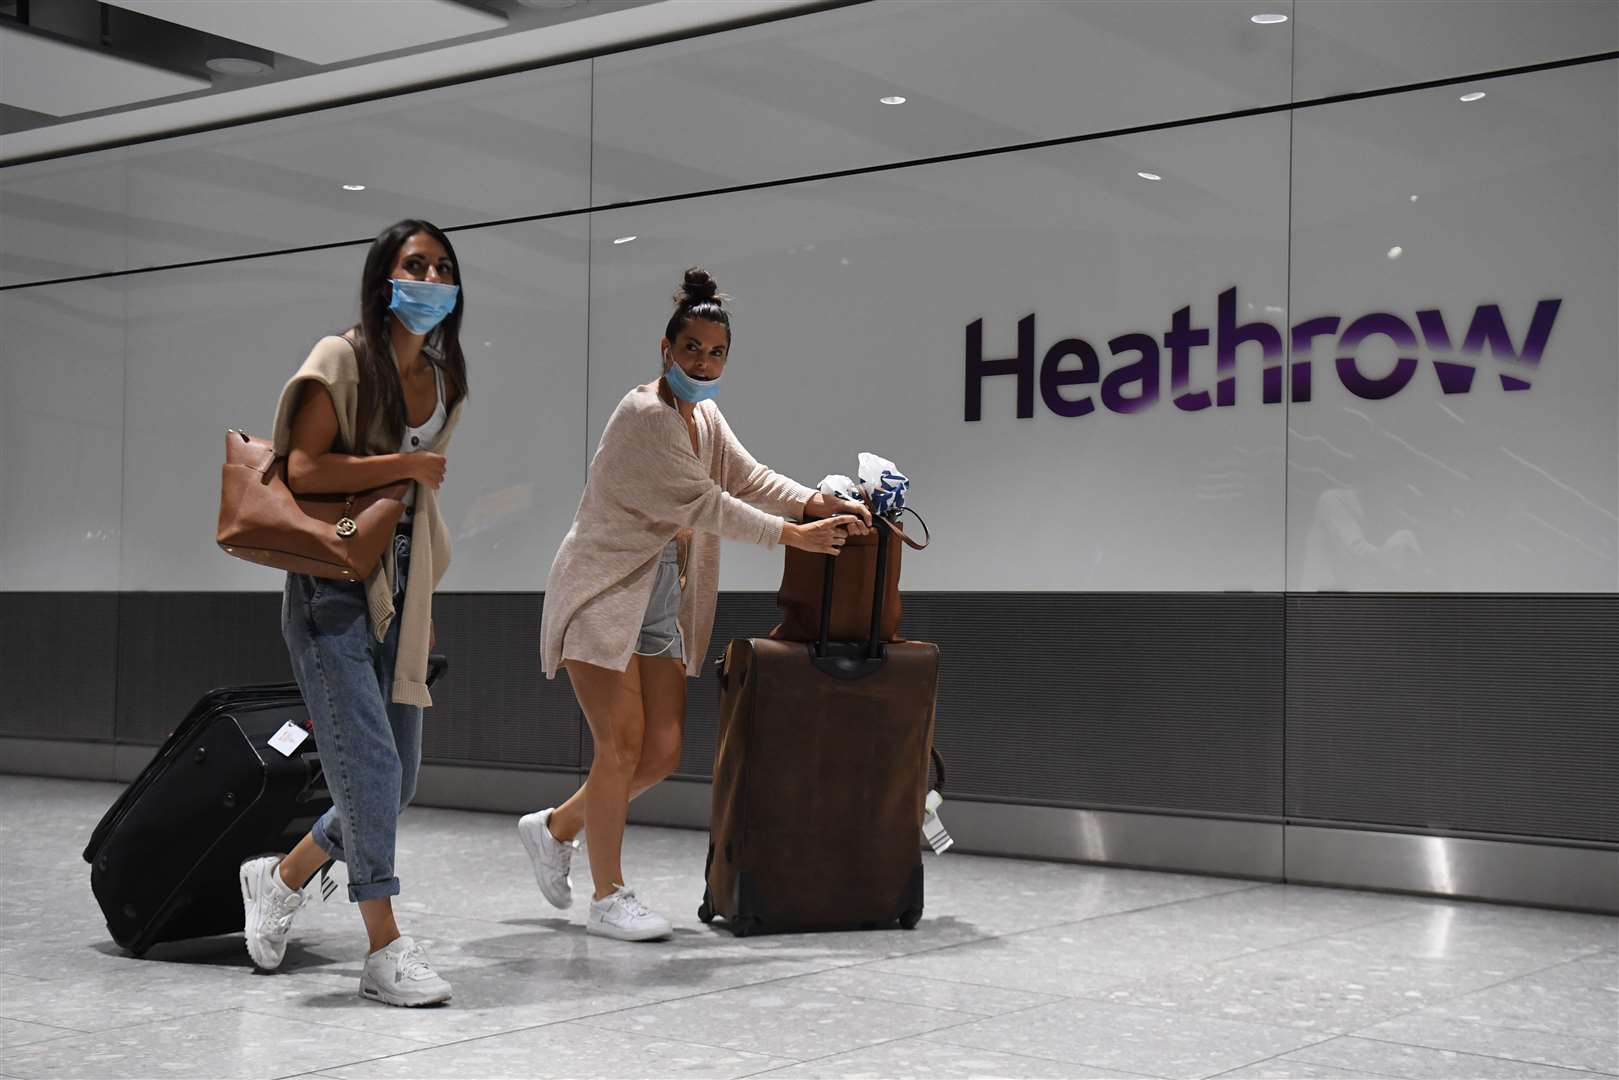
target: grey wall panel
58 665
1495 714
174 647
1146 701
496 706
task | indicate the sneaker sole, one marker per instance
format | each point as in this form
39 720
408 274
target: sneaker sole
533 849
370 991
260 962
603 930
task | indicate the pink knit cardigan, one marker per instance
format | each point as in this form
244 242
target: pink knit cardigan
645 485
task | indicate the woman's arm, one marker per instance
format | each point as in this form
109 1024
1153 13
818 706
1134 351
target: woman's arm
762 486
753 482
313 469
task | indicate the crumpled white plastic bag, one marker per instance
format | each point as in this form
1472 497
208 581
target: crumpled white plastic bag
883 484
838 486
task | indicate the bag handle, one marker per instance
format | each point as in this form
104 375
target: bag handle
938 769
900 532
872 653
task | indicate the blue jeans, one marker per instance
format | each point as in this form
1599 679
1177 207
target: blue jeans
370 747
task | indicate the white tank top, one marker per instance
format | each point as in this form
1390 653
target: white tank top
422 438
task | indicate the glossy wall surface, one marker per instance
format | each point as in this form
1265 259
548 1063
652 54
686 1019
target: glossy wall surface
1231 364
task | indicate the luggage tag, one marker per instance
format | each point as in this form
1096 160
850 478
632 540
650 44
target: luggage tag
932 828
288 739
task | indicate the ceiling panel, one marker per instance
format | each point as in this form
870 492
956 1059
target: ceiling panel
320 31
48 76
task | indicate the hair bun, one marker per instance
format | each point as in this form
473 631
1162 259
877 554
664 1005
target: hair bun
697 287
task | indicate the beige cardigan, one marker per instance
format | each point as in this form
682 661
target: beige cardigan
645 485
332 364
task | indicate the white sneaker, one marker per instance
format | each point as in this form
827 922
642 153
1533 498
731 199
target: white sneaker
623 916
399 974
269 905
552 858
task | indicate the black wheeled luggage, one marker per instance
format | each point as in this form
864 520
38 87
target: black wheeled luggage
164 858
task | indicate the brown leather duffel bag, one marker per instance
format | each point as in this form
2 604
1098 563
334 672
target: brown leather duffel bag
803 578
342 537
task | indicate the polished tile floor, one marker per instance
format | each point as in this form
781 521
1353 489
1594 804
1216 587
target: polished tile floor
1020 969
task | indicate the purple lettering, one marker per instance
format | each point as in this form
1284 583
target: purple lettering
1021 365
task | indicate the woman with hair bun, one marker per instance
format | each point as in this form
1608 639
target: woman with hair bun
629 607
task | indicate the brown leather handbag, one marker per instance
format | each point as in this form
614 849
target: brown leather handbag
342 537
803 580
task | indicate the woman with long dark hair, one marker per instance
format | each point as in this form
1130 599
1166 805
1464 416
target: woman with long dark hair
371 407
629 607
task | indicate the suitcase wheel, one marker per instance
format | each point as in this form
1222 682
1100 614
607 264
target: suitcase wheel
744 926
705 910
909 919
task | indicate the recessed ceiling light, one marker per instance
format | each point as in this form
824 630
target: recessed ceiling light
893 99
353 187
1149 176
623 239
237 65
1396 251
1413 198
1269 19
1476 95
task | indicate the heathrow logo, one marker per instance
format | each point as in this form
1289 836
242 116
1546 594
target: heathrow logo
1135 382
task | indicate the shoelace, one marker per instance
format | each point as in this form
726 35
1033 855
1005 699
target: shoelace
413 964
282 909
632 904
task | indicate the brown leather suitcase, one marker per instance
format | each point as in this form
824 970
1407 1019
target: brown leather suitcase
819 782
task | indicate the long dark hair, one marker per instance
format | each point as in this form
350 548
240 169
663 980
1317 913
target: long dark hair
381 394
698 298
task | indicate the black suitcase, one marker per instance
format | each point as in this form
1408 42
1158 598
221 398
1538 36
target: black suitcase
820 778
164 858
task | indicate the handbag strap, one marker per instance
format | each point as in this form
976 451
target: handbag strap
899 530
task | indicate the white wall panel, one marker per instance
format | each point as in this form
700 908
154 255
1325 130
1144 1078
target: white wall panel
484 151
1508 201
61 436
211 347
507 147
854 299
1344 46
802 96
62 219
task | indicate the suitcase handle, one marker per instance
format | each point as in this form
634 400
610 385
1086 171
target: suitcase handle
845 661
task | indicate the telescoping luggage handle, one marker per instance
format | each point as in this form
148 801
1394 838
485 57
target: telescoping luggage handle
857 660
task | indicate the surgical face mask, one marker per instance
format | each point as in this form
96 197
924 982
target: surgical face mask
422 305
689 389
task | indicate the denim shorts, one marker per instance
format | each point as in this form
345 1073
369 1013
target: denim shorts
660 627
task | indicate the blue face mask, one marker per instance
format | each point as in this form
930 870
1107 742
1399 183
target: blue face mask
422 305
689 389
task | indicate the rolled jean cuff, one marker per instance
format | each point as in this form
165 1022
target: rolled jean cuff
373 890
331 847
